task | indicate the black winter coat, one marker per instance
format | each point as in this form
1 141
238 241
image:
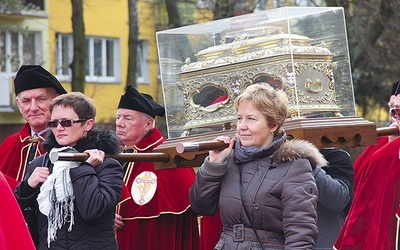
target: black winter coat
96 189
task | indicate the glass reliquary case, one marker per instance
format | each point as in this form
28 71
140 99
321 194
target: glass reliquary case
301 50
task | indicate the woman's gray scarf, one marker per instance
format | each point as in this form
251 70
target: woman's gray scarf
56 197
245 154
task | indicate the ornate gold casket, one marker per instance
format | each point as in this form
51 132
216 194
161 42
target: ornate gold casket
301 50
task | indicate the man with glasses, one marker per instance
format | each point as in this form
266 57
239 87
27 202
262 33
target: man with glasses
35 88
373 219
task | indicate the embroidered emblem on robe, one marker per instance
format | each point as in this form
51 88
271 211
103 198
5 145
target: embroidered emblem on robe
144 187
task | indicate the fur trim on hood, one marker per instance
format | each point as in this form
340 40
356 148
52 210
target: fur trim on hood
104 140
295 149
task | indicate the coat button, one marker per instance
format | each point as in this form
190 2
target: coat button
256 206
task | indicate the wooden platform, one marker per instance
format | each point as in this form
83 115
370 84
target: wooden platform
333 132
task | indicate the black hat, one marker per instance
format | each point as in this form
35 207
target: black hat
395 88
33 77
144 103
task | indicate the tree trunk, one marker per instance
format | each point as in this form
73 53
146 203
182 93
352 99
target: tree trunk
133 41
223 9
78 65
174 17
376 29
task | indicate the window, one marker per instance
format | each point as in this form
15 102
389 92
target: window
37 3
3 52
18 48
205 4
64 55
102 58
142 75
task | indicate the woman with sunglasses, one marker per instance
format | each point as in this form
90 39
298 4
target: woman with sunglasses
71 205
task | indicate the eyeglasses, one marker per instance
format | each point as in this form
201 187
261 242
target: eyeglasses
64 123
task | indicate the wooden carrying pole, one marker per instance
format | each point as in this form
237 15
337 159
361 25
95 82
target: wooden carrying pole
191 155
180 152
123 157
185 147
387 131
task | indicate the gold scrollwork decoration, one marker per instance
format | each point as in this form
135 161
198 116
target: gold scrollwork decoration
329 97
301 66
313 86
305 99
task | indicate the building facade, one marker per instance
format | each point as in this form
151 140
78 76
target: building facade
43 35
40 32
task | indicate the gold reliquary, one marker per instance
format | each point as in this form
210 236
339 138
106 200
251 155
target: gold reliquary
301 50
286 61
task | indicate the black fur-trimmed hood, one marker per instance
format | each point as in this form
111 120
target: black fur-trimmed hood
104 140
295 149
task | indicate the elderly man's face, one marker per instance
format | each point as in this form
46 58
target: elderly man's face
132 126
34 106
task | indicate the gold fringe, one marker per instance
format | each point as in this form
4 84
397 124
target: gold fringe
155 216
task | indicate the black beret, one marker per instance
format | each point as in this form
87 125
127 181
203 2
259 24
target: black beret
144 103
33 77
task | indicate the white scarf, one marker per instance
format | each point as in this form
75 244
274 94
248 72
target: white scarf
56 197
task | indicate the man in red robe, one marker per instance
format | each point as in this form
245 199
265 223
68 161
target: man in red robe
34 88
372 222
154 212
13 231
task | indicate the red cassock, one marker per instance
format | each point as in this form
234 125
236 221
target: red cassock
155 205
372 222
13 231
14 153
210 231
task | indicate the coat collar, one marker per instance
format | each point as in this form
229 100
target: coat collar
154 139
296 148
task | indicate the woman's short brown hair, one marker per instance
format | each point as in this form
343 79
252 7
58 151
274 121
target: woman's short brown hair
82 105
273 104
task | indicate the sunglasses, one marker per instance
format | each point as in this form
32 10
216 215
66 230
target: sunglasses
64 123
